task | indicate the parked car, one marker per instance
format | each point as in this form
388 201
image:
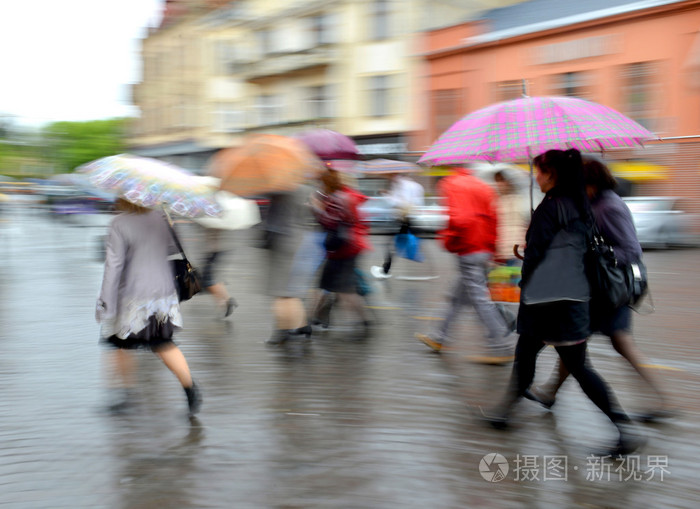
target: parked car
431 217
381 217
661 221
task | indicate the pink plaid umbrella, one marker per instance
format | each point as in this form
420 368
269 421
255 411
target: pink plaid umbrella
520 129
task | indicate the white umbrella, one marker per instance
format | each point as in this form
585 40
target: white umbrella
238 213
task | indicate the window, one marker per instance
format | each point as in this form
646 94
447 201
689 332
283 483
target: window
638 89
264 37
269 109
379 19
228 117
572 84
224 55
320 102
446 108
380 97
322 26
507 90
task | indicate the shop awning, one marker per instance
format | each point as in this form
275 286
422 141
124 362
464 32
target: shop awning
639 171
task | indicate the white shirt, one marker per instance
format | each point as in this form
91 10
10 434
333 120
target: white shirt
404 194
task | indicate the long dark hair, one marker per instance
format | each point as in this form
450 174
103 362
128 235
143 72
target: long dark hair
597 174
566 169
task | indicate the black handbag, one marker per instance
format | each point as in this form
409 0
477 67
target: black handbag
608 279
187 282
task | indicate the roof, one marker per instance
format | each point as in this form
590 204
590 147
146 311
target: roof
537 15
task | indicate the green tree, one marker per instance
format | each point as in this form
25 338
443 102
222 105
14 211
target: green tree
67 145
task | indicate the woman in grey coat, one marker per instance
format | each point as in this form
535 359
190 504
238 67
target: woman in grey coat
138 306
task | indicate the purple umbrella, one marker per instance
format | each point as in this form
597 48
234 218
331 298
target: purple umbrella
520 129
329 145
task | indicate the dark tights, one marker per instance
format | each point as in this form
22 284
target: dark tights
574 359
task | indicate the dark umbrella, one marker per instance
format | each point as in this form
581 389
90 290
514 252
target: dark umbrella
329 145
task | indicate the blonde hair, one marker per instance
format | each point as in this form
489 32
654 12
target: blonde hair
131 208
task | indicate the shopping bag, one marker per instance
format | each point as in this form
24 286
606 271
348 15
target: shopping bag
408 246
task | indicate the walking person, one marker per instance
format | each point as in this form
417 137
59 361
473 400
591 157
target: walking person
403 195
336 209
513 218
285 227
614 221
559 316
471 236
226 303
138 305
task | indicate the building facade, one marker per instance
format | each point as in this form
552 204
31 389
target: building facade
639 57
211 77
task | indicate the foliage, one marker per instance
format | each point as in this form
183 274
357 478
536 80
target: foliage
69 144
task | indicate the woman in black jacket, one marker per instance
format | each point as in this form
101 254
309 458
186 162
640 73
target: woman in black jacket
554 307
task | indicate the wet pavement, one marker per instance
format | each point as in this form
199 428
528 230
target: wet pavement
336 422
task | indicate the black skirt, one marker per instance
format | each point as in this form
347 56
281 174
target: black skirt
153 336
339 276
555 322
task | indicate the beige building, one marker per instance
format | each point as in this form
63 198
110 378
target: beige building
282 66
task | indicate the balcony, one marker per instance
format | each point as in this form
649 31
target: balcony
280 64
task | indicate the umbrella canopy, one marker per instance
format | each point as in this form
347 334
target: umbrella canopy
328 145
520 129
265 163
387 166
238 213
152 183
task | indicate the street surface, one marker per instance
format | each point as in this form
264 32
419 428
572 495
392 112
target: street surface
337 422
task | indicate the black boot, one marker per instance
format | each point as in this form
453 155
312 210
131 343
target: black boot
279 337
194 398
306 330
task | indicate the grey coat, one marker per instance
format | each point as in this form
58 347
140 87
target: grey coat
138 278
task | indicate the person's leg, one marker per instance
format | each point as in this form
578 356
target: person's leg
124 364
175 361
456 300
575 359
355 303
120 367
623 343
546 395
526 351
474 269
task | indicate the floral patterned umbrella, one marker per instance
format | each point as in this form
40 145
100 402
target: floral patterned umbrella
520 129
153 183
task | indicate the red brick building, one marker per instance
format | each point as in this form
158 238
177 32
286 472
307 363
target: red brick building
639 57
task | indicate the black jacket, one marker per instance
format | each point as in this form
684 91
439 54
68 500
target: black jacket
561 321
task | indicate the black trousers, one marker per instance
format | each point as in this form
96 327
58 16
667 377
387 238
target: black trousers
575 360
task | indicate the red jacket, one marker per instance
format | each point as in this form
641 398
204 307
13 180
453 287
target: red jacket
342 206
472 208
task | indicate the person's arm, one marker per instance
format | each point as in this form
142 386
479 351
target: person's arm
543 228
115 255
616 225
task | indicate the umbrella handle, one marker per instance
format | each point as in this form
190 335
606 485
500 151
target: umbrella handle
517 253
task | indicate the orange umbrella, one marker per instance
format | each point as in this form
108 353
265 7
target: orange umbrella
265 163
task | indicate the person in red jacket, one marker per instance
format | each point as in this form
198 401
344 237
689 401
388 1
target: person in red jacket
471 235
336 209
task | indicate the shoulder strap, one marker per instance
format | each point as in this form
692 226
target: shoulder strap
172 232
